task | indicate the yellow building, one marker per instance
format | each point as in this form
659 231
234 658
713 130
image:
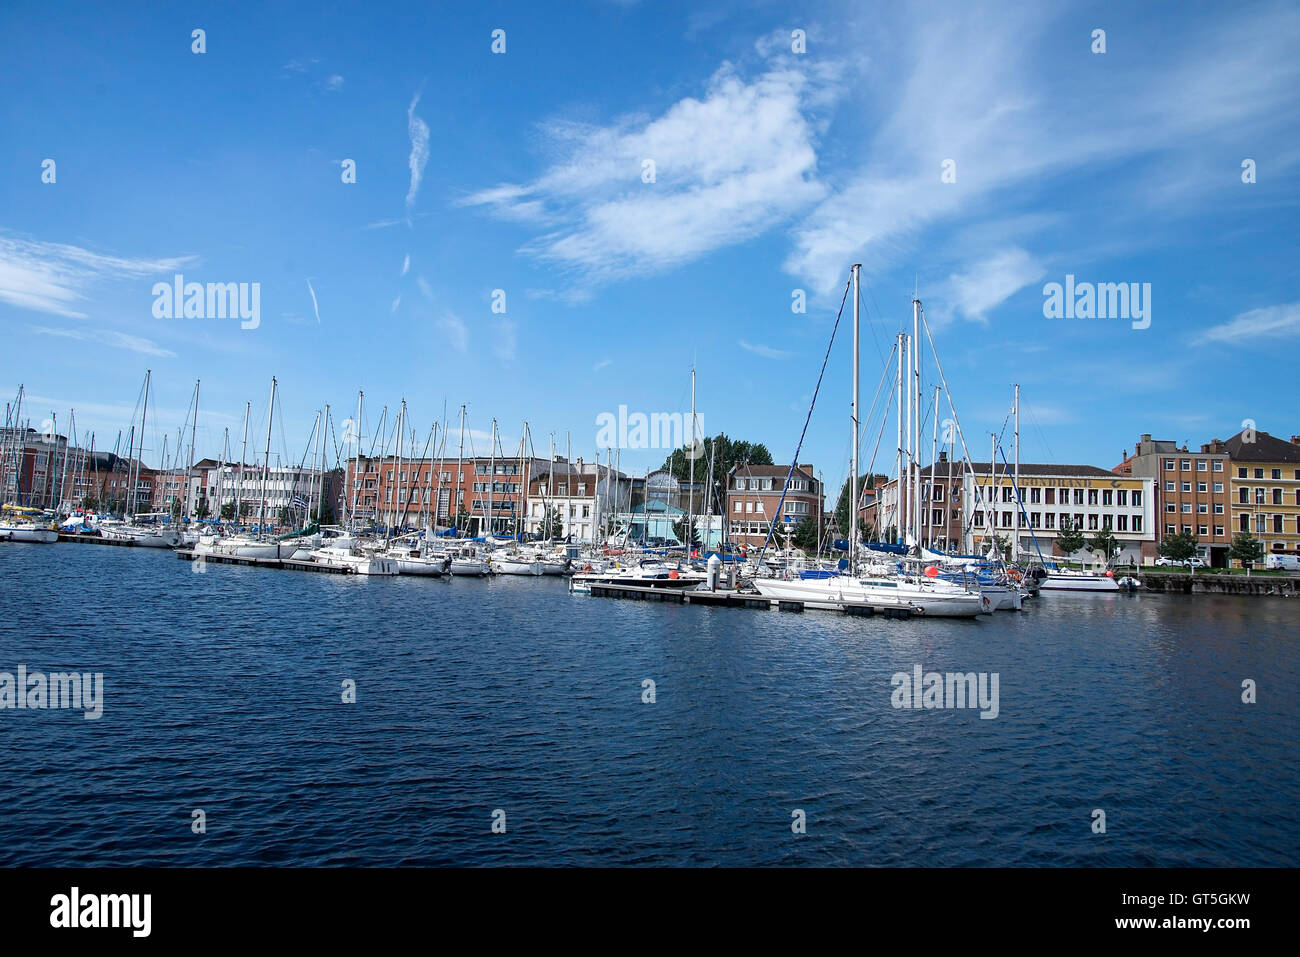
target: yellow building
1266 489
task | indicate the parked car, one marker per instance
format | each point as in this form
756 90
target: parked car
1290 563
1189 563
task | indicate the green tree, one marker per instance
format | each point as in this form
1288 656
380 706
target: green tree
228 511
725 454
1069 537
805 534
89 503
1247 549
201 510
1104 543
1178 547
681 530
176 509
842 516
552 525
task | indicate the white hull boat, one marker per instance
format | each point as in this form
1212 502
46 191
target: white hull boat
1078 581
358 564
24 532
241 546
844 591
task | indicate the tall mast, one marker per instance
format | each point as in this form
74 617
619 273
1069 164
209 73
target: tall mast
320 476
1015 538
221 470
356 461
690 463
266 462
460 476
916 421
899 482
492 468
853 466
144 412
243 457
934 454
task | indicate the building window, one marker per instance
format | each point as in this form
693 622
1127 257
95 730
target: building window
1170 487
1187 486
1277 473
1187 508
1078 496
1202 487
1049 496
1033 520
1035 495
1006 519
1185 465
1121 498
1202 530
1259 473
1202 508
1243 496
1092 523
1241 473
1187 529
1277 524
1137 523
1171 529
1200 465
1218 465
1107 498
1049 520
1171 507
1137 498
1169 465
1218 508
1245 523
1218 531
736 506
1277 496
1121 523
1218 488
1259 496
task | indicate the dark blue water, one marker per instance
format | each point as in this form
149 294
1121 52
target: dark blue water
223 692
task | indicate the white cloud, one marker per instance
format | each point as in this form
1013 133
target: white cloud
727 167
1247 327
396 303
454 330
418 130
989 283
110 338
602 364
424 288
334 82
314 307
767 352
406 264
55 278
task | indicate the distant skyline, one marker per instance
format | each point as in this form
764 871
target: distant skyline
627 190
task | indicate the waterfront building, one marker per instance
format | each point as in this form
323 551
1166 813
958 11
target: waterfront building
754 494
1265 489
1192 491
587 496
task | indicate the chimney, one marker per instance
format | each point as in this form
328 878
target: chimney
1146 436
943 455
1295 440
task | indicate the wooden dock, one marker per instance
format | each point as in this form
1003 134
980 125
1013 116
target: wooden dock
94 540
735 599
285 564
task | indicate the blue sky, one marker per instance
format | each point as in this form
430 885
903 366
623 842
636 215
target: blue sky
774 171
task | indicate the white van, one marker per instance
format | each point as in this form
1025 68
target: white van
1290 563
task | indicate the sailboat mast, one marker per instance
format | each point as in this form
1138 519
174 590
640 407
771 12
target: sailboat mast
243 457
1015 538
916 423
934 454
144 412
853 465
898 459
356 462
266 461
690 463
491 483
460 474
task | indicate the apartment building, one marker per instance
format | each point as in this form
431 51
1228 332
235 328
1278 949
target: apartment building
1265 489
754 501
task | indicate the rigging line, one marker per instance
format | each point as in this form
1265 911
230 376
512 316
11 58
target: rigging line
771 527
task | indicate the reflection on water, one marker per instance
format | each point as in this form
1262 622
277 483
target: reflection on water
223 691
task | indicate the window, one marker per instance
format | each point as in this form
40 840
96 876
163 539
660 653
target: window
1171 529
1202 530
1170 487
736 507
1277 524
1259 473
1035 494
936 493
1049 496
1065 496
1202 487
1137 523
979 518
749 507
1201 465
1006 493
1092 523
1241 473
1121 498
1245 523
1107 498
1078 520
1218 531
1169 465
1078 496
1049 520
1185 465
1218 465
1137 498
1187 529
1121 523
1202 508
1277 496
1033 520
1243 496
1277 473
1187 486
582 488
1259 496
1218 488
1218 508
1187 508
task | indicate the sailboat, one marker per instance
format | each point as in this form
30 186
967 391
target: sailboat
921 593
147 529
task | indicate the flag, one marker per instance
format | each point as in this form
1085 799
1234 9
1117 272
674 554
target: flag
299 502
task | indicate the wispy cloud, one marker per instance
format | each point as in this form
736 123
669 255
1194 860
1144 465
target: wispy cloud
726 167
406 264
334 82
988 284
55 278
110 338
418 131
1247 328
314 307
454 330
767 352
396 303
602 364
